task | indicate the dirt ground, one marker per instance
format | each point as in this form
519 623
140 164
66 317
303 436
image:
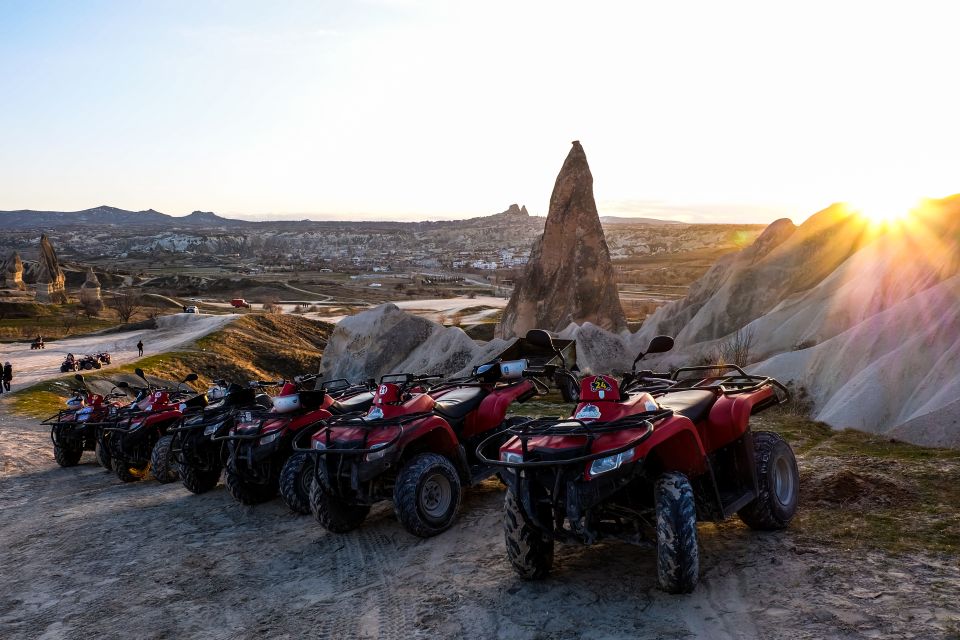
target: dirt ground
84 555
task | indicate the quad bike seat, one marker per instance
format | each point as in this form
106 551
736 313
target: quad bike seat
457 404
359 402
693 404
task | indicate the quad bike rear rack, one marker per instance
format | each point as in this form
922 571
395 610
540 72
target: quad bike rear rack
545 427
356 421
728 385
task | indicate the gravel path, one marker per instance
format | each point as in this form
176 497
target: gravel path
84 555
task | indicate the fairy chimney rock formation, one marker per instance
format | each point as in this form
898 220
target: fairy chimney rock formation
90 289
569 277
13 272
51 283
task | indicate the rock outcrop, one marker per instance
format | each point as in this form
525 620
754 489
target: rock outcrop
50 284
13 273
90 291
387 340
569 278
865 319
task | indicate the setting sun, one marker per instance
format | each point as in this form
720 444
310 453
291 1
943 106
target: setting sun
885 209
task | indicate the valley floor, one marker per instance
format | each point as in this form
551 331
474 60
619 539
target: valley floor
86 556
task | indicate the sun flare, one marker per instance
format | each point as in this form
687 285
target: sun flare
885 209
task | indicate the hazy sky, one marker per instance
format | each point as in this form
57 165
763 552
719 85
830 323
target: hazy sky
725 111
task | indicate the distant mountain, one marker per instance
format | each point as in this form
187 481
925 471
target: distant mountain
107 216
628 220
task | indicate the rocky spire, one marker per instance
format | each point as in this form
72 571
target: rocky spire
13 272
569 277
50 284
90 290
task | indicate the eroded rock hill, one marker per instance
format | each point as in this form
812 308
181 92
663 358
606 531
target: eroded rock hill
569 277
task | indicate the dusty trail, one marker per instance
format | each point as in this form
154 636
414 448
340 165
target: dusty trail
33 366
86 556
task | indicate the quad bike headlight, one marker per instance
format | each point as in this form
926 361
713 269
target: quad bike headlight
510 456
211 429
379 450
270 438
610 463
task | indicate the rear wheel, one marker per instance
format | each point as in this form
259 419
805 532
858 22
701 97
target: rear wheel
103 456
529 550
333 513
427 495
197 480
164 466
678 550
778 484
296 478
67 456
246 492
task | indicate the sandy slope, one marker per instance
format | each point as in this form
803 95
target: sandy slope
171 332
96 558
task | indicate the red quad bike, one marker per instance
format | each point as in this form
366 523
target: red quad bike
644 469
131 438
74 429
416 448
261 442
188 446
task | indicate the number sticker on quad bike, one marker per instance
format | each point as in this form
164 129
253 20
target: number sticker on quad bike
600 386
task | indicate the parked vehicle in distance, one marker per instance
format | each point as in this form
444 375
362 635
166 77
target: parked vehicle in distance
643 463
191 309
89 361
240 303
70 363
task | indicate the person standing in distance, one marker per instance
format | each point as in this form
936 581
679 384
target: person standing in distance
140 349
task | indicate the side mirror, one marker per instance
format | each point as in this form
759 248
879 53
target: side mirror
191 377
540 338
78 378
139 373
660 344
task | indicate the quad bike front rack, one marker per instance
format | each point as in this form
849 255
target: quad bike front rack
545 427
356 421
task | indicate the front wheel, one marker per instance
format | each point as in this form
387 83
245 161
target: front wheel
296 479
67 456
103 456
529 550
333 513
164 466
246 492
427 495
678 550
197 480
778 484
